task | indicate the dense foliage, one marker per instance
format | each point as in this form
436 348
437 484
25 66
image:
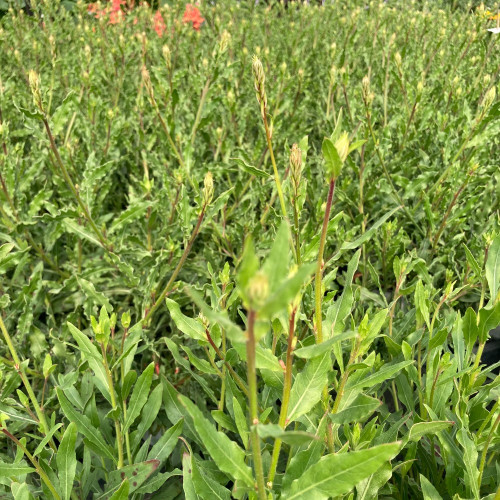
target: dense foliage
249 252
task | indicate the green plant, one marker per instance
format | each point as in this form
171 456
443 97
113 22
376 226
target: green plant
188 312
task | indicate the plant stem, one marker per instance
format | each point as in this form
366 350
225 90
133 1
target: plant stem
286 396
253 406
319 267
119 440
275 168
183 258
72 187
485 450
20 369
33 460
203 98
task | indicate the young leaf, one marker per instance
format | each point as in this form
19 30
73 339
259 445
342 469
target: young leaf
337 474
66 460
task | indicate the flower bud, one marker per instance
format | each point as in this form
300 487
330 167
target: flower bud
224 41
258 290
208 189
296 164
34 81
167 56
283 67
488 100
342 146
259 83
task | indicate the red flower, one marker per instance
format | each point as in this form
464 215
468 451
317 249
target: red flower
159 24
193 15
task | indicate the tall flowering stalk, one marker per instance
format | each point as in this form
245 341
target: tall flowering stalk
260 91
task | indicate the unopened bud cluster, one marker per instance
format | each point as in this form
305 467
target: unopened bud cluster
167 56
296 165
34 81
259 82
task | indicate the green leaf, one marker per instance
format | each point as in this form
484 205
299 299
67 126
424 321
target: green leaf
313 351
189 326
308 386
21 491
206 487
66 460
470 457
46 439
472 263
492 268
351 245
470 329
139 396
357 411
164 447
290 437
286 292
368 488
157 482
187 478
337 474
131 213
428 490
149 413
228 456
136 474
92 355
488 319
14 470
383 374
73 227
91 293
122 492
276 264
264 357
333 163
84 426
423 428
250 169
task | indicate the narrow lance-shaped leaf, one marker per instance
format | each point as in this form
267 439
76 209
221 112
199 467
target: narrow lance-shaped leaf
492 268
66 460
308 386
337 474
139 396
228 456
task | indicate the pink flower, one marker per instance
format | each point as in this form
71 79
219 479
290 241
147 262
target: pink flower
193 15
